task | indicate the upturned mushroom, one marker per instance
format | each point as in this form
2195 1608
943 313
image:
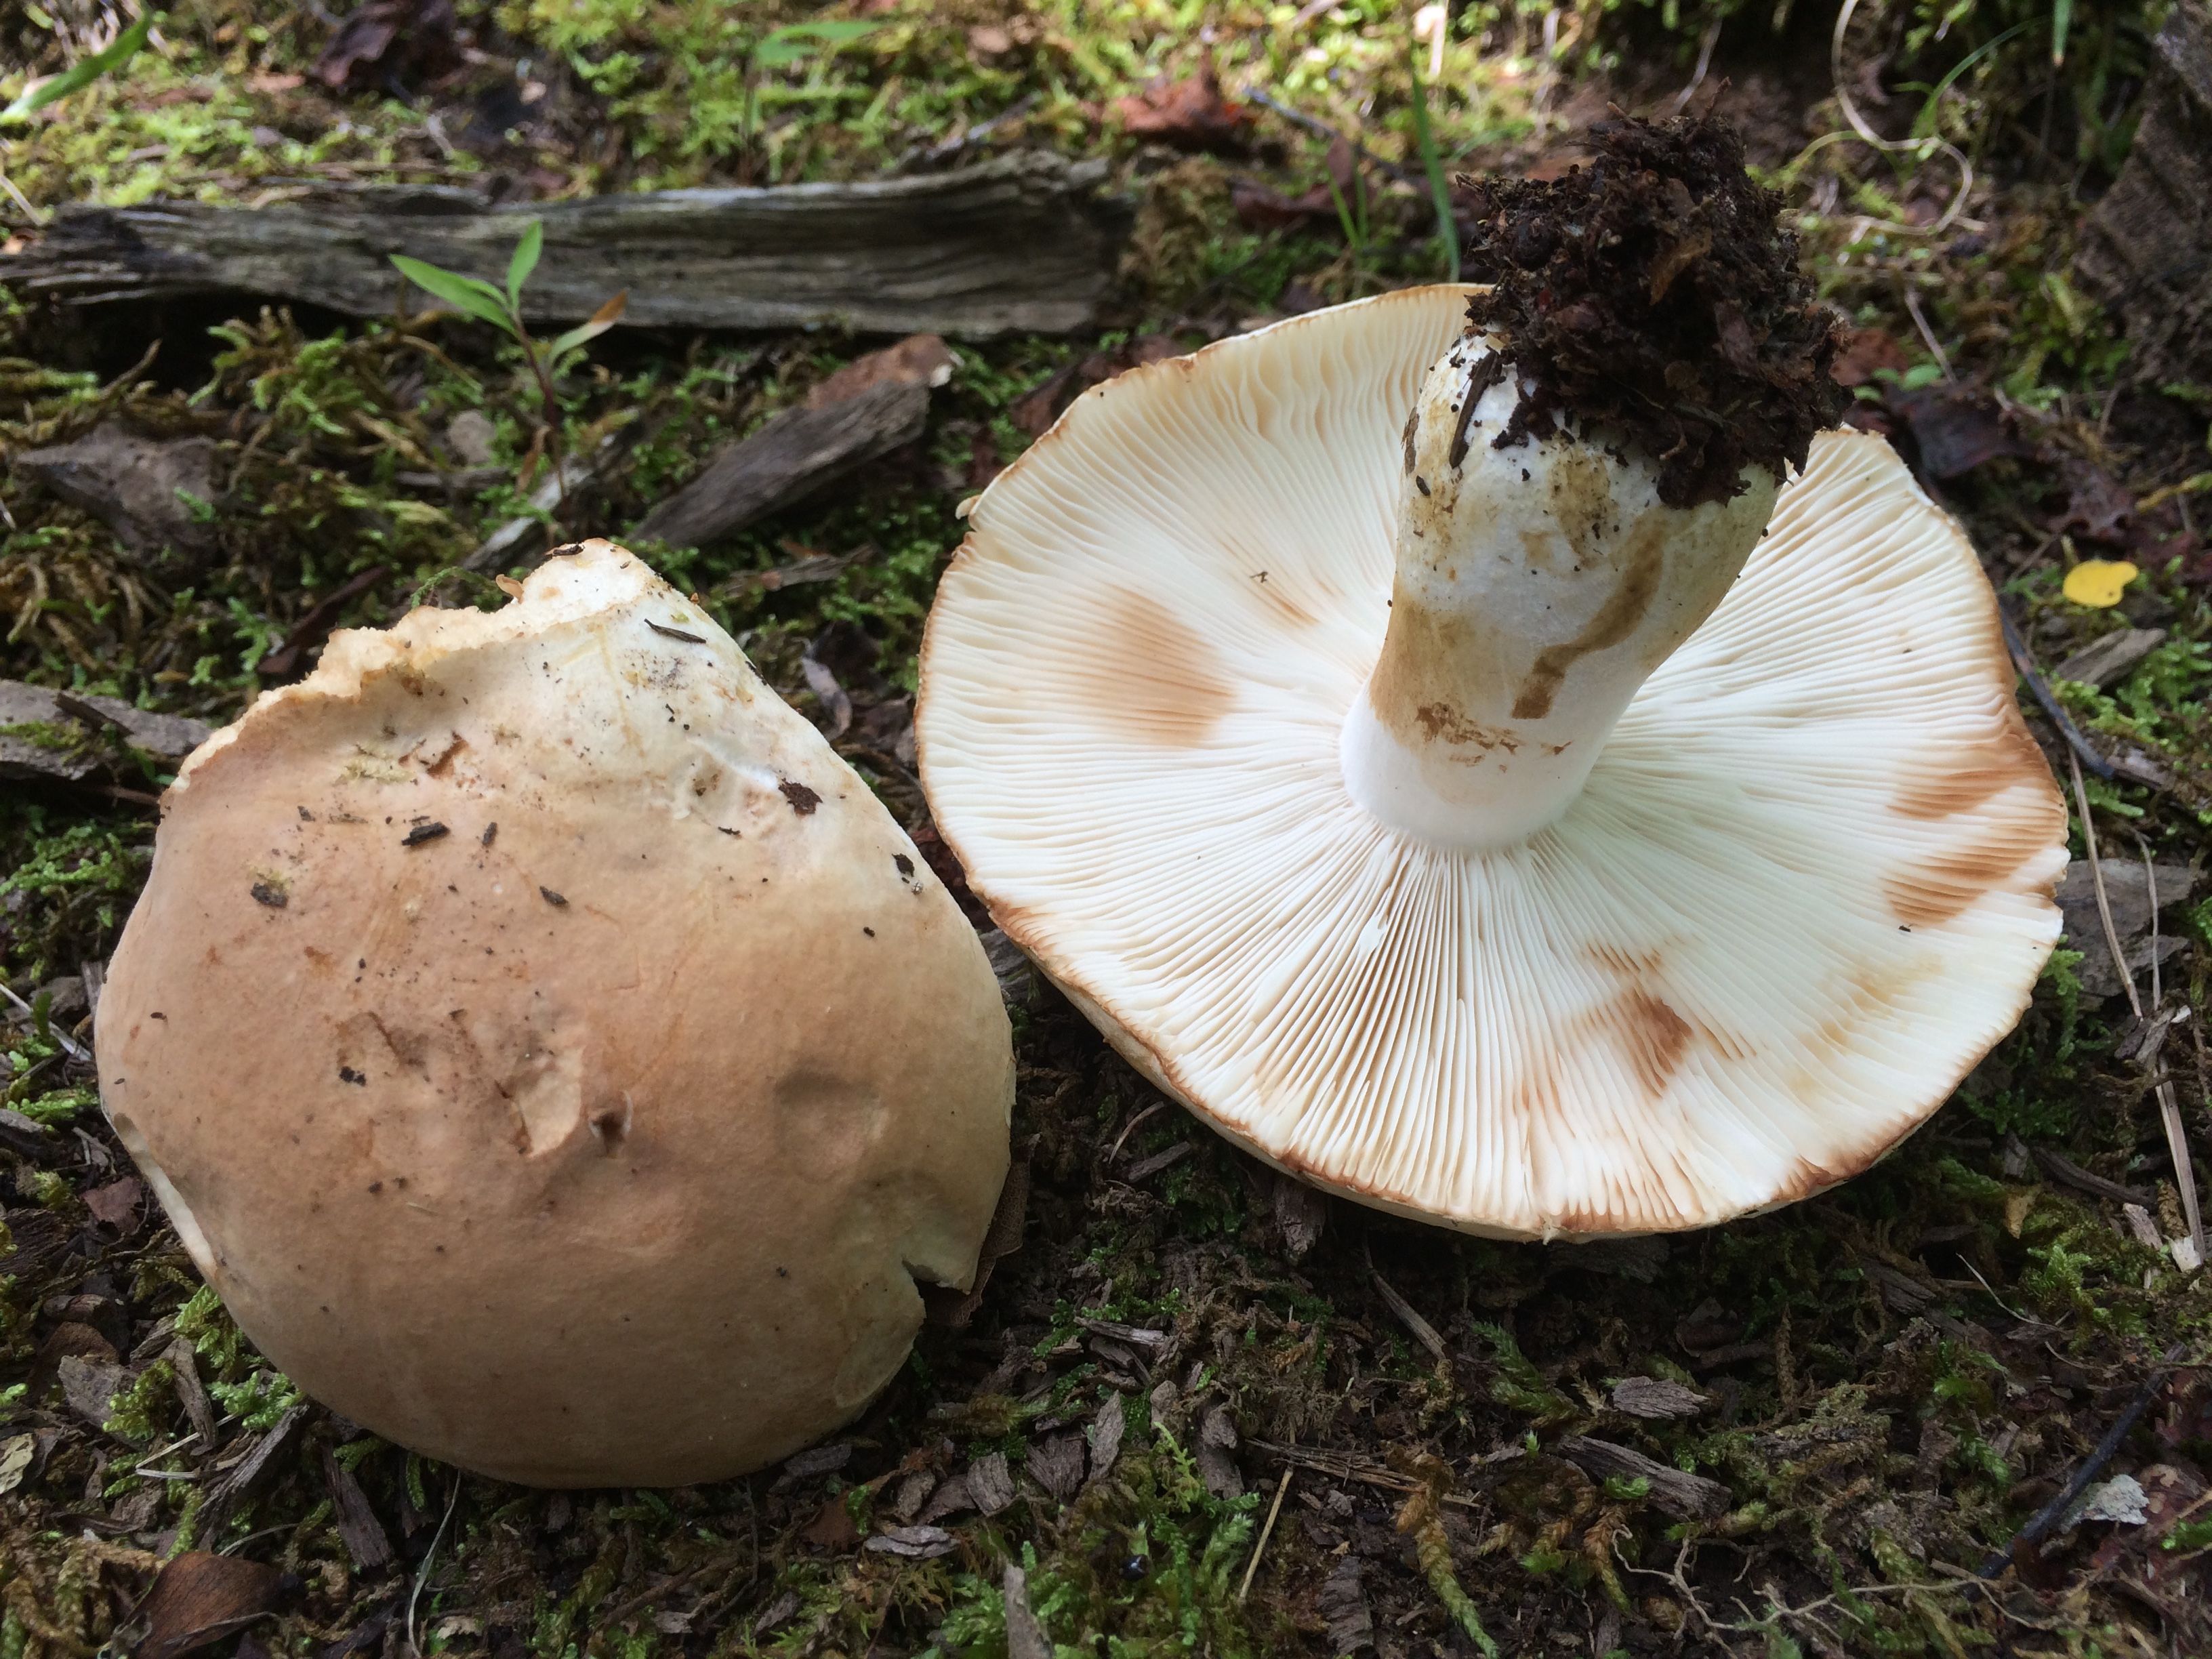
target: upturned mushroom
1534 815
556 1058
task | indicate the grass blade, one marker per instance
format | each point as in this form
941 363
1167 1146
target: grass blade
1425 139
524 262
82 73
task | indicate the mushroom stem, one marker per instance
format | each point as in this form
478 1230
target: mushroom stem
1537 586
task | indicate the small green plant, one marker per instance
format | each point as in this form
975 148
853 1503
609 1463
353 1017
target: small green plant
81 74
502 309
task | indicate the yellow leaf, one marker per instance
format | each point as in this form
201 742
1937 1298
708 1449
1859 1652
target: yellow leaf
2099 583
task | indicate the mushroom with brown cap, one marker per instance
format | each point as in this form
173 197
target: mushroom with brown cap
1522 830
556 1058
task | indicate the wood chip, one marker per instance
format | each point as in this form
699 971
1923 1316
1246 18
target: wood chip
912 1543
1104 1435
1025 1637
191 1394
1301 1214
90 1386
1056 1464
359 1530
1656 1399
1168 1157
990 1485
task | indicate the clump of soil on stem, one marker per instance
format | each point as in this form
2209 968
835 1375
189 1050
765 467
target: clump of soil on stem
1653 296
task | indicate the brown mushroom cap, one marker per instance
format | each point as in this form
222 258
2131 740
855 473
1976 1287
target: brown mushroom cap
553 1055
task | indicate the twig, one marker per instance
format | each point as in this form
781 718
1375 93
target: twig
2024 665
1927 334
1322 130
1424 1332
2169 1109
1712 38
1339 1466
1920 148
2169 1106
1266 1532
2065 1169
2051 1513
430 1555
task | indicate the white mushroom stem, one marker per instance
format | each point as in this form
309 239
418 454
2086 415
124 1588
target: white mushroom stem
1537 587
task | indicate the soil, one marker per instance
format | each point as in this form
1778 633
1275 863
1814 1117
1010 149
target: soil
1654 296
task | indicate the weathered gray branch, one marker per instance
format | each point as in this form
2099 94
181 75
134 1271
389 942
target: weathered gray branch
794 453
1024 242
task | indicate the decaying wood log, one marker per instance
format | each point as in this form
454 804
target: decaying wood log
1025 242
794 453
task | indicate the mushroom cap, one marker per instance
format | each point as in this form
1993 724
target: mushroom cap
1806 887
600 1138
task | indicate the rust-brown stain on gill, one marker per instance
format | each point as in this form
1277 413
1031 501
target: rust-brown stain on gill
1937 888
1617 618
1960 779
1150 677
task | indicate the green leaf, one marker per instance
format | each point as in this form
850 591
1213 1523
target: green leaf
2062 23
477 298
82 73
525 261
599 322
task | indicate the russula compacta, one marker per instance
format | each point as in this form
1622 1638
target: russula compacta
1527 834
556 1058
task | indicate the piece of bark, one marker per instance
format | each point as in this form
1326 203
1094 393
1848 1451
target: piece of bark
1343 1604
1687 1497
359 1530
2147 250
1023 243
796 453
1656 1398
1301 1215
1056 1464
192 1396
2127 892
246 1476
1217 1441
990 1486
35 721
1025 1637
2109 658
129 483
89 1387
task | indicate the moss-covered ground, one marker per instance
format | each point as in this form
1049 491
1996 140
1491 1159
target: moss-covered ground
1890 1380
